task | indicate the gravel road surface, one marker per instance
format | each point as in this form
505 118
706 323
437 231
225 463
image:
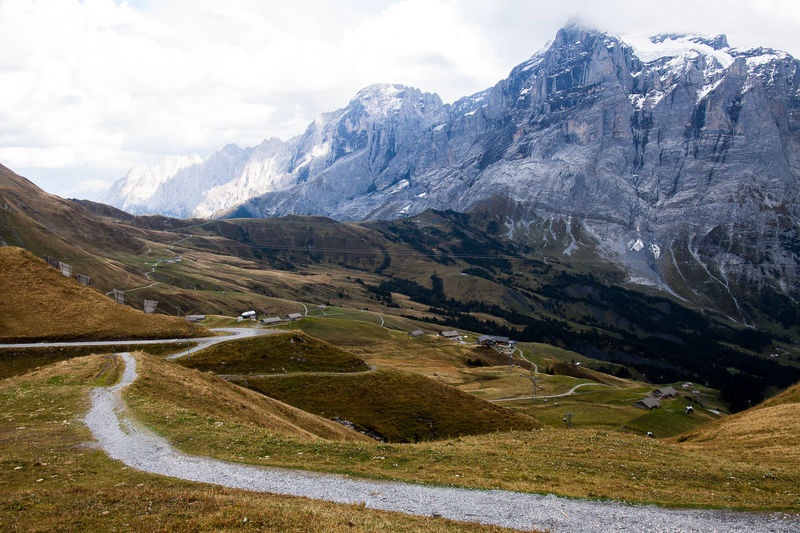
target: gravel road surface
126 441
202 342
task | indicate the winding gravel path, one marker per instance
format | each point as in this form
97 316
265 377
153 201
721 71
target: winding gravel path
522 356
202 342
126 441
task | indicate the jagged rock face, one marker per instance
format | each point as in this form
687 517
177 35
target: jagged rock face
677 154
367 146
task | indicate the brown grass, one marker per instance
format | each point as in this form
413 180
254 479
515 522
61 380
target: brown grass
38 303
766 433
398 405
213 397
52 481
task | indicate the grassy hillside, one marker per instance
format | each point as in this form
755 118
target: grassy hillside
37 303
768 430
281 352
399 406
216 400
53 481
46 224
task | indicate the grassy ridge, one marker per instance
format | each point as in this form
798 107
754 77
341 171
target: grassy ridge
214 397
563 368
281 352
38 303
400 406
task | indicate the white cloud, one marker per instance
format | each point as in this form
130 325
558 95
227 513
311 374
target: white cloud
95 87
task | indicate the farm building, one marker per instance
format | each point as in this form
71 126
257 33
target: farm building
648 403
295 316
452 335
195 318
665 392
491 340
271 320
503 341
415 333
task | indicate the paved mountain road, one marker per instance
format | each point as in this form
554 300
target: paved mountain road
126 441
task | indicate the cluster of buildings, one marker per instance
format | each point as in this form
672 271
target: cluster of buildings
270 320
653 401
484 340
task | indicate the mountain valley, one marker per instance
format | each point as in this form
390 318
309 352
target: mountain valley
577 289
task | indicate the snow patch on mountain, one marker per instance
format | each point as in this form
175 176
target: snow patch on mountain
635 245
673 46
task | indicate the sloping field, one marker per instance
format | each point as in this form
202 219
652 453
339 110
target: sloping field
399 406
37 303
770 429
283 352
190 393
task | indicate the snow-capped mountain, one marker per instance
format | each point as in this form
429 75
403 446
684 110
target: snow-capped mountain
387 115
677 154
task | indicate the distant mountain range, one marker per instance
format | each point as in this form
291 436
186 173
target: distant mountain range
677 156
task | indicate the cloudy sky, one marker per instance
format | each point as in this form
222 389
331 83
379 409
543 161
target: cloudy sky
91 88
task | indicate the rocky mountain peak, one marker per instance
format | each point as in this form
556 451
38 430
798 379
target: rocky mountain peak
384 99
